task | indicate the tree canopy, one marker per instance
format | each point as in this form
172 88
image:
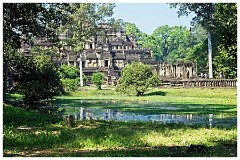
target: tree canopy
221 20
136 78
179 43
23 22
169 44
36 77
83 19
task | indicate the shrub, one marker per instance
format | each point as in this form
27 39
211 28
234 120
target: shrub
70 77
136 78
97 79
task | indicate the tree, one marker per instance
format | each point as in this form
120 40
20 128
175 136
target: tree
136 78
22 21
83 21
204 15
173 42
97 79
225 20
199 48
70 79
37 78
225 62
143 40
131 28
220 21
168 43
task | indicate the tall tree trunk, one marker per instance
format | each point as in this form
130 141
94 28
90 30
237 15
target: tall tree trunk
80 68
5 77
210 54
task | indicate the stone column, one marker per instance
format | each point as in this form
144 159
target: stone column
178 71
190 72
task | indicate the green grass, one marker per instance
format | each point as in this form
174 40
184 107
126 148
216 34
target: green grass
177 95
29 133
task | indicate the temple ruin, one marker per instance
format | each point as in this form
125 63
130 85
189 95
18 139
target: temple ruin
109 51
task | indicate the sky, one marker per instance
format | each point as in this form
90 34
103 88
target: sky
148 16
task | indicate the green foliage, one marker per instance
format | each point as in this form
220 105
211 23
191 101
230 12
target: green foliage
21 23
132 30
70 85
83 21
198 55
97 79
37 78
154 81
69 71
224 62
30 19
50 52
199 49
70 79
136 78
220 19
40 83
225 20
168 43
171 43
203 12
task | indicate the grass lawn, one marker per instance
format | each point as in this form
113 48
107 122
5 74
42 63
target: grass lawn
29 133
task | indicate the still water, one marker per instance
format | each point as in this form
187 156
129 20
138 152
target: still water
81 113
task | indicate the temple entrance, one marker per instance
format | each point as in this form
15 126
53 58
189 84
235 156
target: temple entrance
106 63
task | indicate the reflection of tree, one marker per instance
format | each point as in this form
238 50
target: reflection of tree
210 120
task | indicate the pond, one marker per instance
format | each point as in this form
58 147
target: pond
144 111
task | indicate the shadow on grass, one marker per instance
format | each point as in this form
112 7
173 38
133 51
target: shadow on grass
156 93
14 116
45 139
126 134
220 150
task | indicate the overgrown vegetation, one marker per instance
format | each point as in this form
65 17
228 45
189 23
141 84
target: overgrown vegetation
28 132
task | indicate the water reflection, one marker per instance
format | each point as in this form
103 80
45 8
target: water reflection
84 114
189 119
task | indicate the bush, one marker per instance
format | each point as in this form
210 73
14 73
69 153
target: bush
70 77
97 79
37 78
136 78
